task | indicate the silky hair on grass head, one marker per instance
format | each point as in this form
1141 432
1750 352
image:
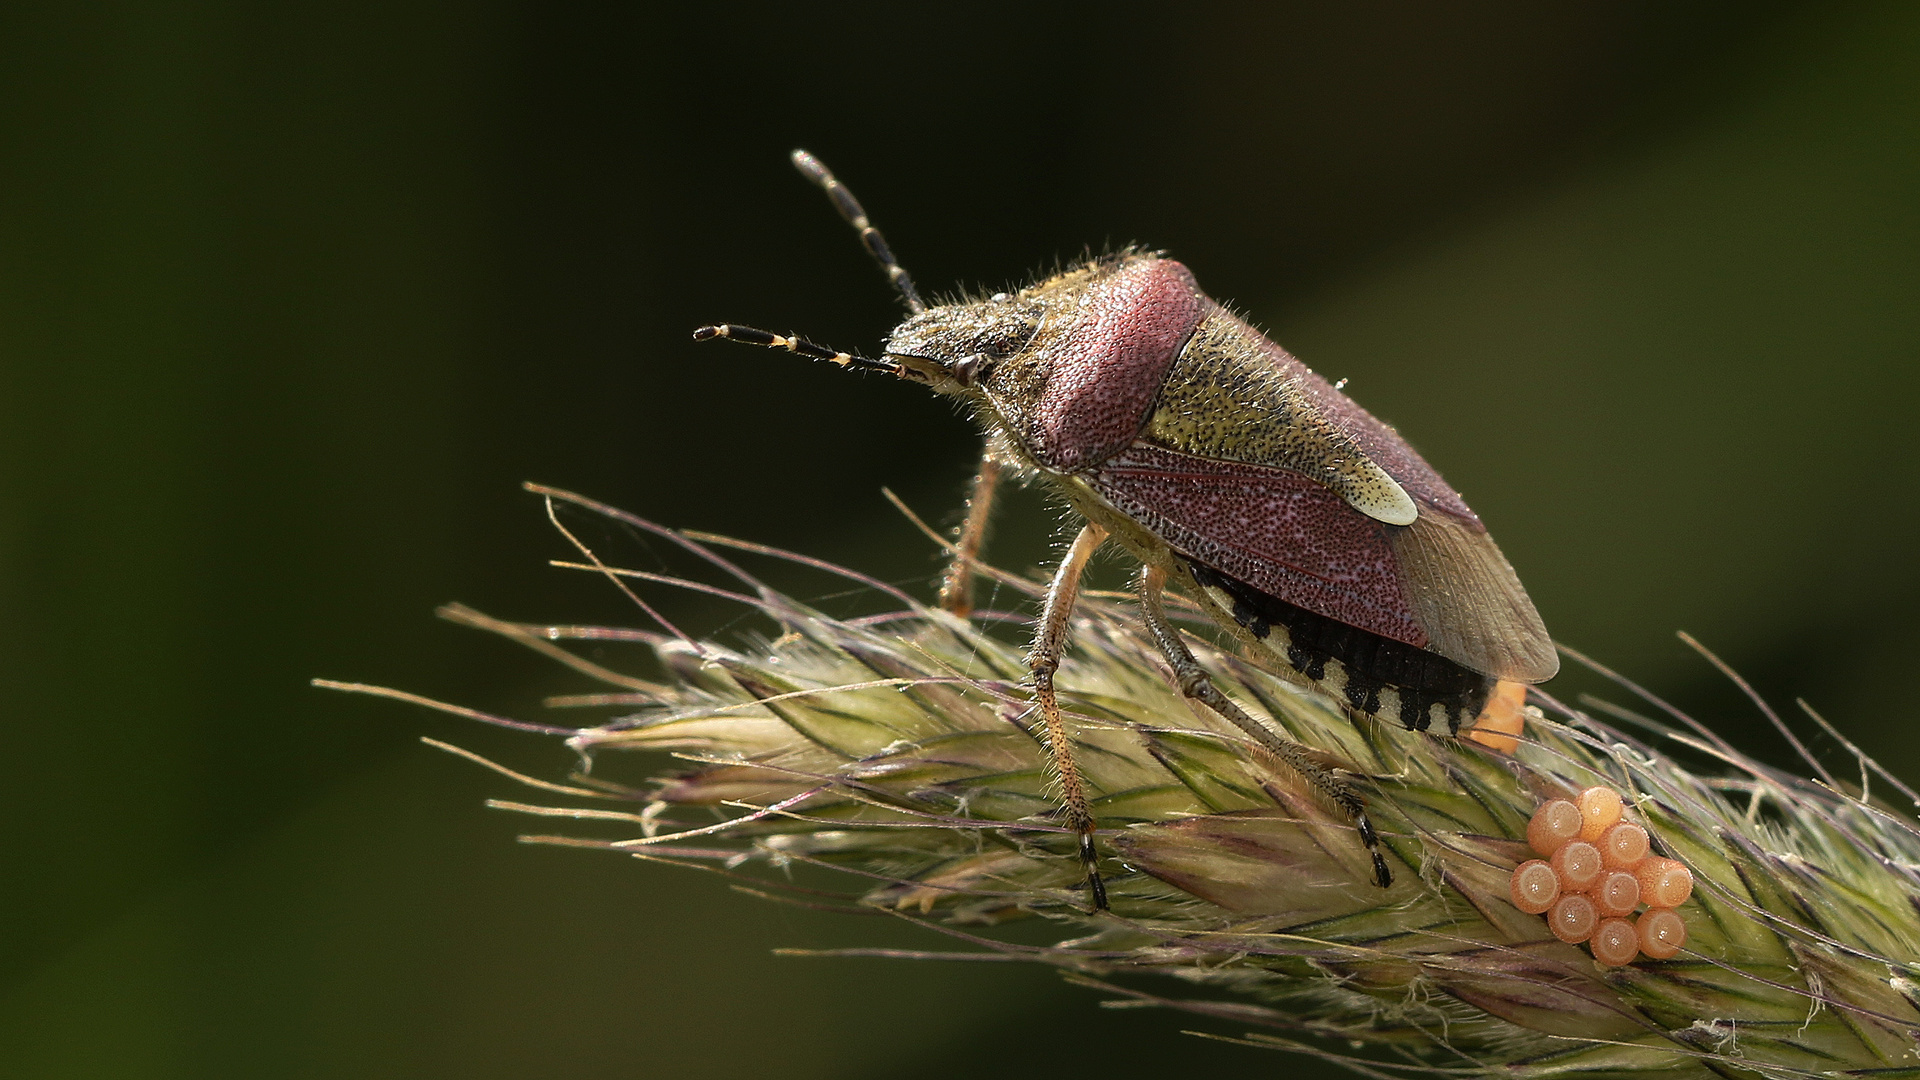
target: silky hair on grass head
899 751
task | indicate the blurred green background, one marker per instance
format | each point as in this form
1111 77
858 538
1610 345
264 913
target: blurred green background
293 296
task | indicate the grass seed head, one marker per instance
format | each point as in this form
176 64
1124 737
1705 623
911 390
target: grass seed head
897 749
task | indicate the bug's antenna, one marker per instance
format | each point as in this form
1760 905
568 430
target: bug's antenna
799 346
850 209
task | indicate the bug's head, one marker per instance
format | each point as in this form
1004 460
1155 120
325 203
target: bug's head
954 346
957 348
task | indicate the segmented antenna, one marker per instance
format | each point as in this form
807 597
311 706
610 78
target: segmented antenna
850 209
800 346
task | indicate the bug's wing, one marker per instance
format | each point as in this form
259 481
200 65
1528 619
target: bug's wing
1438 584
1469 600
1282 533
1462 589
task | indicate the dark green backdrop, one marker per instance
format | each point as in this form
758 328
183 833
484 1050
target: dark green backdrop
292 297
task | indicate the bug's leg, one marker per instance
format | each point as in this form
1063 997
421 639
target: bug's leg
1043 659
1194 683
956 586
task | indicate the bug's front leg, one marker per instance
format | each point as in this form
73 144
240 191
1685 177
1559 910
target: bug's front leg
1196 685
956 586
1043 659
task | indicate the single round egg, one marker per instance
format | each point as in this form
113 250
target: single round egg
1578 864
1599 809
1535 886
1554 824
1664 882
1662 933
1572 918
1622 846
1615 942
1616 893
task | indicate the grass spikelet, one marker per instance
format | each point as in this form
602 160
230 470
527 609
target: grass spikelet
896 748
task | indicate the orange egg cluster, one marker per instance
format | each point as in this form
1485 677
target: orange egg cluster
1594 870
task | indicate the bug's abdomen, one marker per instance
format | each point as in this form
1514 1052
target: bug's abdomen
1374 675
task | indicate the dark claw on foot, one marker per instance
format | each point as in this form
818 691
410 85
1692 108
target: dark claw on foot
1382 876
1091 857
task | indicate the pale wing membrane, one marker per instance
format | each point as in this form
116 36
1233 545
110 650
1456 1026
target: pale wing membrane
1471 603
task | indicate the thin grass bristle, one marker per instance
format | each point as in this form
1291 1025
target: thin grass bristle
895 749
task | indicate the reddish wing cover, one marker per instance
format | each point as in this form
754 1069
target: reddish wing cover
1272 528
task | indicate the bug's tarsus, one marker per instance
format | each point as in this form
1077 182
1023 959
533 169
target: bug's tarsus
856 216
1049 641
1195 684
797 345
1090 858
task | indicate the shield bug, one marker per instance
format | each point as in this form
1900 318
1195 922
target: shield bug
1302 525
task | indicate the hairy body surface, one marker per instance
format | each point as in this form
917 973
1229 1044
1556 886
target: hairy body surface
1306 528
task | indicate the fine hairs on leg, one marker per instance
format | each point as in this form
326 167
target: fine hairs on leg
956 585
1194 683
1043 659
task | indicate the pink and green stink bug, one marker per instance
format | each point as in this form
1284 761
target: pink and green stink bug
1303 526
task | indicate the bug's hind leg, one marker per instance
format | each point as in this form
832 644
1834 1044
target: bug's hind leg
1195 684
956 585
1043 659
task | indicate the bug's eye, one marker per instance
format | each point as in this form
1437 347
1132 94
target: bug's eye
968 371
1007 337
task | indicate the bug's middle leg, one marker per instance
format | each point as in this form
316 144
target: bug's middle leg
1195 684
956 585
1043 659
